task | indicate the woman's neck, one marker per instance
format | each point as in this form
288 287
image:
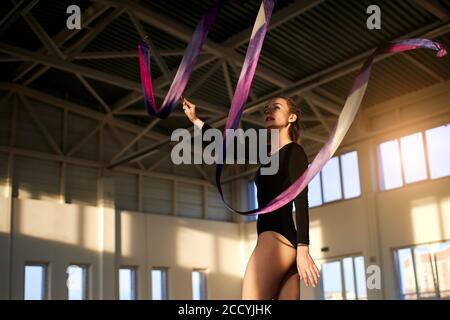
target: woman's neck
283 139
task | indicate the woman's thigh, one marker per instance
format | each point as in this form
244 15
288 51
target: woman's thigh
290 286
271 259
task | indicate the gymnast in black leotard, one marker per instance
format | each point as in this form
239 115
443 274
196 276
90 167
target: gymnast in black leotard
281 255
292 163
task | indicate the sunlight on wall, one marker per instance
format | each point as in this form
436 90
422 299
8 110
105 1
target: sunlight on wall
247 250
425 220
207 249
4 215
194 248
6 187
226 251
133 234
445 216
70 224
315 238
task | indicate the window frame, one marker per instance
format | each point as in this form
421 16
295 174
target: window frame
321 294
395 268
397 136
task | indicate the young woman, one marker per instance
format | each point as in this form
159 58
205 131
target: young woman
281 256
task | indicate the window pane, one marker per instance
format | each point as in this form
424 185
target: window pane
438 147
424 272
253 201
77 282
390 165
253 195
35 282
413 156
360 272
350 175
443 269
332 280
331 180
406 276
159 291
198 285
126 284
314 192
349 279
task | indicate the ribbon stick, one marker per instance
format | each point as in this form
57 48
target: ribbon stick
184 70
338 133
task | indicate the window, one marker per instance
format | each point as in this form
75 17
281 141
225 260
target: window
415 157
331 281
438 151
127 283
331 178
77 282
159 284
338 179
35 282
390 165
199 285
423 271
413 153
315 192
350 175
252 201
343 279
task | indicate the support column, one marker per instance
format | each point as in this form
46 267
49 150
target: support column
107 273
6 209
368 178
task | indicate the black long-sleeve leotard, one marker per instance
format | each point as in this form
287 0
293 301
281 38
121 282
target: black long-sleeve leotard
293 161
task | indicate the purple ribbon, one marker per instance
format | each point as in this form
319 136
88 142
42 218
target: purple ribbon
339 131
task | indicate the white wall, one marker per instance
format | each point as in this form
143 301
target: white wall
61 234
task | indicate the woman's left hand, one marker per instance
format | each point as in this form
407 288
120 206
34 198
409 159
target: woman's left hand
307 269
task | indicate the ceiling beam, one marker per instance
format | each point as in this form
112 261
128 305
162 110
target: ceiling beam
155 52
54 50
435 8
71 67
79 45
346 67
317 114
77 109
423 67
177 29
32 113
292 11
88 16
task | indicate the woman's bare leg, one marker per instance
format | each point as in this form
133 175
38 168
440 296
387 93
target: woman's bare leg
271 259
290 287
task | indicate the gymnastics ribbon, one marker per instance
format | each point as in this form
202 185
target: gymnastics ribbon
339 131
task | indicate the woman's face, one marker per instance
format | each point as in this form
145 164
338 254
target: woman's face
277 114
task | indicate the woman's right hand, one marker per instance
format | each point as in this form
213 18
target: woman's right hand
189 110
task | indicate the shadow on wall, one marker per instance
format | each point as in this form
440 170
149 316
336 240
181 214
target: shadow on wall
184 245
58 256
64 234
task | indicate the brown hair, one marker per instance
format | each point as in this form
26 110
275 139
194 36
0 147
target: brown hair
294 129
